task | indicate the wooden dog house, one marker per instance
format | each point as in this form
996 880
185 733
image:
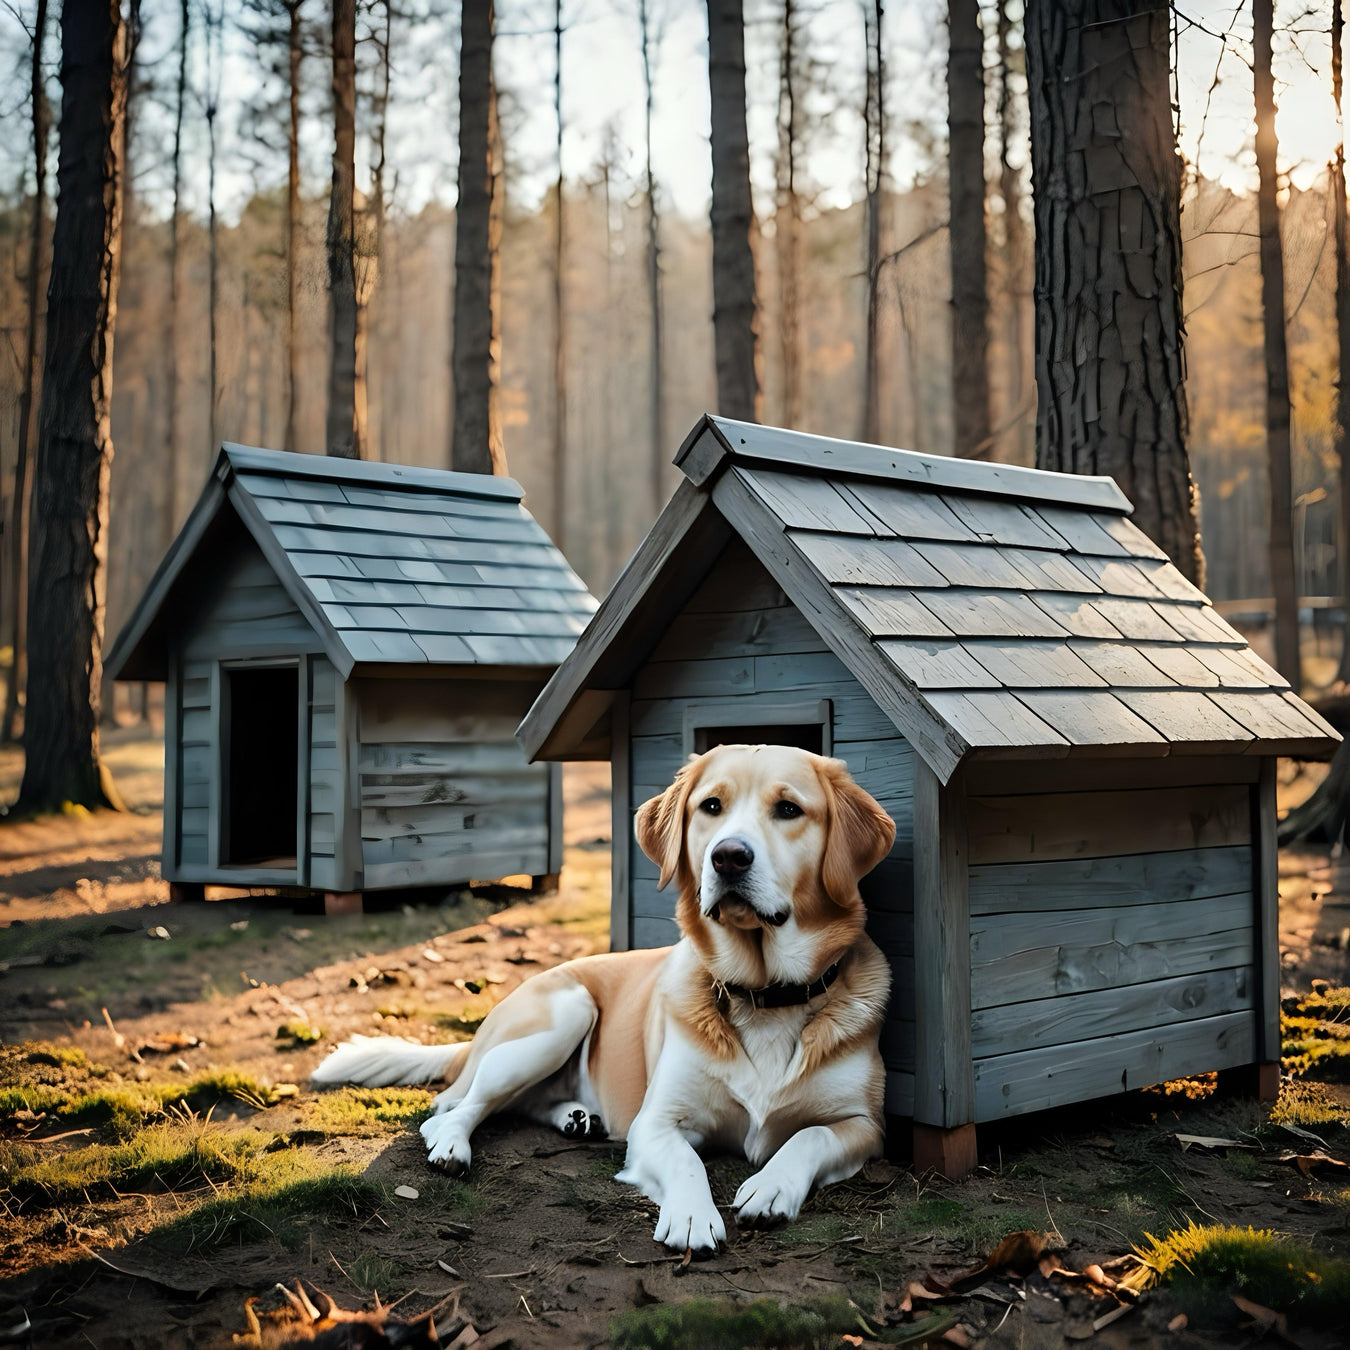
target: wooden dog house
347 649
1078 751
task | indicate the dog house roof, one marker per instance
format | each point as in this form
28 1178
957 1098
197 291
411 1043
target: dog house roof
390 564
990 610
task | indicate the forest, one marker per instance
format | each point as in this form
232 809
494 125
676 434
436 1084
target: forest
888 274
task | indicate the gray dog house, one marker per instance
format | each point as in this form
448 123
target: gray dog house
1078 752
347 649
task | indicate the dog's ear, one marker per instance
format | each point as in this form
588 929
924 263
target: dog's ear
659 824
859 834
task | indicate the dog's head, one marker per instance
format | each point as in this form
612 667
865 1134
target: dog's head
766 840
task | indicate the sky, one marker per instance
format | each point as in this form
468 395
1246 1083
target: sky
603 97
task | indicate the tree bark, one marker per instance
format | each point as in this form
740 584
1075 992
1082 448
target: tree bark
21 506
477 445
559 305
970 294
343 434
874 132
370 236
735 320
1284 583
1106 181
788 222
171 475
1341 426
656 407
1014 235
295 54
215 32
68 566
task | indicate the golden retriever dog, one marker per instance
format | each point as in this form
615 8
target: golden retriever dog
756 1032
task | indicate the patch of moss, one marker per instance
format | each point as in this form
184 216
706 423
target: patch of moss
976 1229
702 1324
60 1056
365 1111
1315 1036
299 1033
1204 1265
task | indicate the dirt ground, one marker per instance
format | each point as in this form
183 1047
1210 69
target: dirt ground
538 1246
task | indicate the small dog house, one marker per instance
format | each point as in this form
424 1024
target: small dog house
1079 754
347 649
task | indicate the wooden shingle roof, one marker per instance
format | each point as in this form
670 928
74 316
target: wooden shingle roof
389 564
989 610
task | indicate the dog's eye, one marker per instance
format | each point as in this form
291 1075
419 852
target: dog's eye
786 810
711 805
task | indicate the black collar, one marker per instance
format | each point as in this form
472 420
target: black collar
782 995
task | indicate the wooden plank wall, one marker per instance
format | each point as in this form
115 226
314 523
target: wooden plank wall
194 794
325 774
446 794
1112 942
737 642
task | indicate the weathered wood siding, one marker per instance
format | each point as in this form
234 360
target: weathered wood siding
195 764
325 775
736 643
445 792
1112 933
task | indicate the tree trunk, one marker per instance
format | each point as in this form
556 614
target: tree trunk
215 25
68 567
370 238
1283 580
295 53
735 322
559 307
970 295
477 445
171 476
787 223
656 408
1106 181
342 432
1014 236
21 506
874 132
1341 426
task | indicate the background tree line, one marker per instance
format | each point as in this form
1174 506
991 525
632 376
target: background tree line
874 262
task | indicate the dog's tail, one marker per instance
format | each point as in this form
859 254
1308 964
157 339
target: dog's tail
387 1061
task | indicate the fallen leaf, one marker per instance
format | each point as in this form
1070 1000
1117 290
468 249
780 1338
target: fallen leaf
922 1291
406 1192
446 1266
158 931
1114 1315
956 1335
851 1340
1179 1323
170 1041
1261 1315
1308 1163
239 926
1211 1141
1020 1252
1304 1134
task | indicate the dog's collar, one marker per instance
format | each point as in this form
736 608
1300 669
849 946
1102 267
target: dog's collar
782 995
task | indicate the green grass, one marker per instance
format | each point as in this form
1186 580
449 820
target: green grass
124 1108
366 1111
951 1221
1204 1265
299 1033
702 1324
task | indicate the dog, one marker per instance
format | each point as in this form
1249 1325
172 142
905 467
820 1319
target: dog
756 1032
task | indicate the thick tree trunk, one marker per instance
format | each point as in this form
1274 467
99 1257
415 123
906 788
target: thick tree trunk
1341 426
559 305
370 238
1109 321
1283 579
788 222
970 295
21 506
343 437
477 445
735 321
68 576
874 131
295 54
656 406
215 34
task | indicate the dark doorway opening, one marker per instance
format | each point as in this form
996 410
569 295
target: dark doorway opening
261 783
804 735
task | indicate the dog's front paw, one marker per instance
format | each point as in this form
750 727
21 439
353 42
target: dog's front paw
447 1145
682 1226
765 1199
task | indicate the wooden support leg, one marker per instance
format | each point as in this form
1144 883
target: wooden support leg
546 884
342 902
183 891
949 1151
1261 1081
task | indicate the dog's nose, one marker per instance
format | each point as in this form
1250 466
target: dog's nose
732 858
